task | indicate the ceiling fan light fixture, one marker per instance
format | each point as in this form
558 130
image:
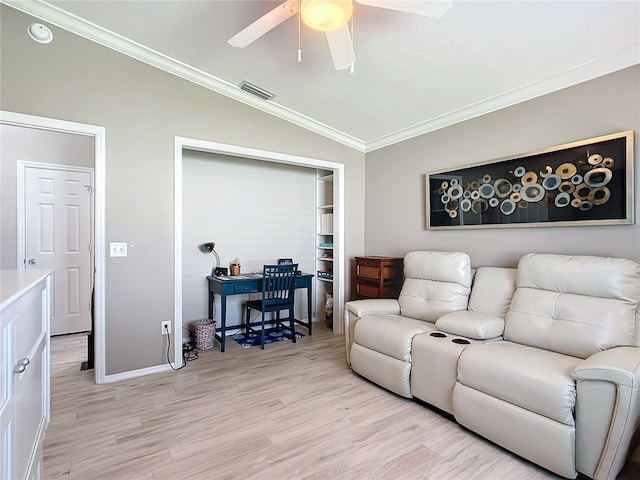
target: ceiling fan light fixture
326 15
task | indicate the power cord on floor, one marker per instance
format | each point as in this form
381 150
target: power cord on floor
187 355
189 350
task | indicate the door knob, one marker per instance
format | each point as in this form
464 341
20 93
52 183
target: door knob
32 261
21 365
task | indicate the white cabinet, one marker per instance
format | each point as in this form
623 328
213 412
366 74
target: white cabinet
24 371
325 282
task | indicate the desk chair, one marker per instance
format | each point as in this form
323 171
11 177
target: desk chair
277 294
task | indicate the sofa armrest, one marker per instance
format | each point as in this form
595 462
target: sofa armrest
373 306
357 309
607 410
475 325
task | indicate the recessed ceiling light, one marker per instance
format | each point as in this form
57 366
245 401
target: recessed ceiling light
40 33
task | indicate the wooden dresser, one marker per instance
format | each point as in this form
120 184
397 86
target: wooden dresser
378 277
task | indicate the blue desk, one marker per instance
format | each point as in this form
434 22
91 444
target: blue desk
245 284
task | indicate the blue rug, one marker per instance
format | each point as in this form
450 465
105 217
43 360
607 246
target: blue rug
271 335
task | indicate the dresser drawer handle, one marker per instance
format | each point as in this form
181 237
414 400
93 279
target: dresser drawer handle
368 264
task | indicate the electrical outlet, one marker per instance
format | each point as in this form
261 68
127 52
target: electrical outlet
118 249
166 327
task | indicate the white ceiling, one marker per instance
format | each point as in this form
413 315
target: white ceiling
413 74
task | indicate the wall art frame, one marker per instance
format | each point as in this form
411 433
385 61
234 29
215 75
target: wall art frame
588 182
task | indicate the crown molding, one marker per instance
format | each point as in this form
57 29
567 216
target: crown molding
624 57
114 41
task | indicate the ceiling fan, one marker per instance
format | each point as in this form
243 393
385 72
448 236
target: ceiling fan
332 17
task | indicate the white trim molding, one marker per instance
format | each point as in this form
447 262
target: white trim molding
184 143
114 41
98 133
626 56
116 377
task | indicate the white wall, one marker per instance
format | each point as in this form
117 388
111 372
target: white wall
255 210
395 176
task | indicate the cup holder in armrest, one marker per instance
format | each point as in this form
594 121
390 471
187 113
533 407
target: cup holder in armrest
437 334
461 341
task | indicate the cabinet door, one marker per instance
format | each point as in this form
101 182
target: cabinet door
29 414
5 441
28 405
5 401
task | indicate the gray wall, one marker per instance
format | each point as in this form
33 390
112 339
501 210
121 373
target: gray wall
24 144
142 109
395 220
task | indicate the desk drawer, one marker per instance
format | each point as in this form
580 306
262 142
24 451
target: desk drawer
244 288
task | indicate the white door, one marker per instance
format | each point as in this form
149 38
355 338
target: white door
58 235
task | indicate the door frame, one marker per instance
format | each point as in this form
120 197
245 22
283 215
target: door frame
184 143
98 238
21 218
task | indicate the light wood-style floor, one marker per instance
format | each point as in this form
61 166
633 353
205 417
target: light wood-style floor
288 412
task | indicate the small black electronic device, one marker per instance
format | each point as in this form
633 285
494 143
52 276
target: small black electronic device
221 272
285 261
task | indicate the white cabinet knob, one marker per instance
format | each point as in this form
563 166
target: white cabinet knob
21 365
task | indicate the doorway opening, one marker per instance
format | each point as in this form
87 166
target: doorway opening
98 234
182 144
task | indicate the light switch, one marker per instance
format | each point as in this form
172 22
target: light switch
118 249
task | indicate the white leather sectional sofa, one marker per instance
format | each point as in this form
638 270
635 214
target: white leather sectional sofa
543 360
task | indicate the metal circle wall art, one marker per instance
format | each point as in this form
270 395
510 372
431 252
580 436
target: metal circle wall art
587 179
502 187
507 207
551 182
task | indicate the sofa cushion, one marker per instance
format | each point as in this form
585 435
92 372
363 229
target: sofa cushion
435 283
478 326
575 325
537 438
389 334
575 305
534 379
605 277
492 290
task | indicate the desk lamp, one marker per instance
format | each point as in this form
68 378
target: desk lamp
210 248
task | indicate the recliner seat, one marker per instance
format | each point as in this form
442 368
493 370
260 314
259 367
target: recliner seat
565 310
544 360
435 283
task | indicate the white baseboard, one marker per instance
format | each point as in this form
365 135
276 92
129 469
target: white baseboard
116 377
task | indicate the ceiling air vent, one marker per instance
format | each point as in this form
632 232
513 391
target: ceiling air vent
256 90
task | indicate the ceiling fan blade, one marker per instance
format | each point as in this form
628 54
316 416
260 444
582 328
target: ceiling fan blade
341 47
430 8
265 23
